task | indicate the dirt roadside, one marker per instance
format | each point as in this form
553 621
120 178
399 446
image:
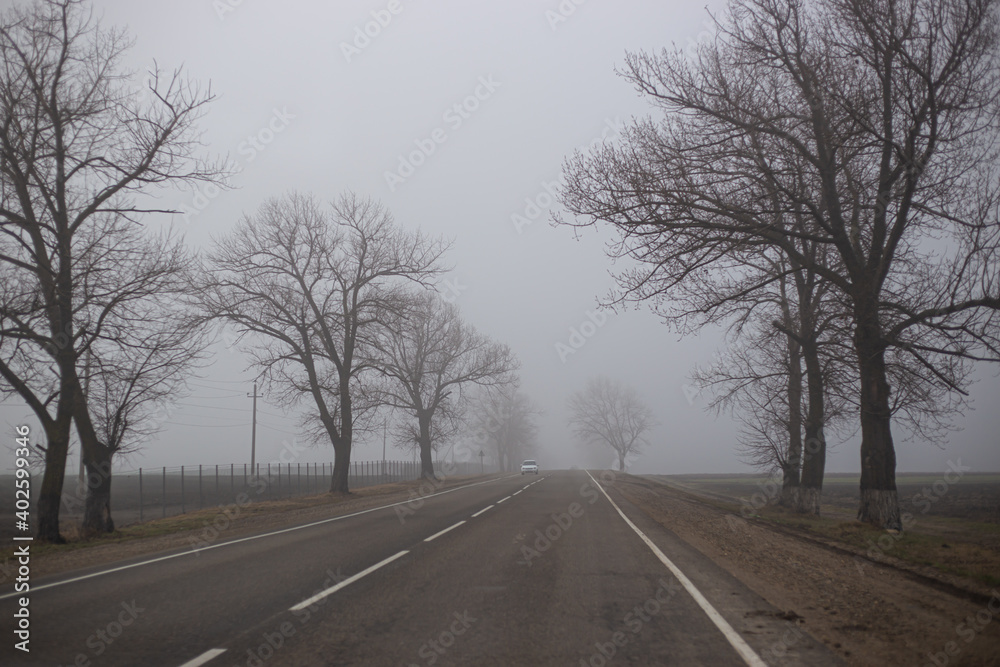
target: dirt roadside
219 524
870 614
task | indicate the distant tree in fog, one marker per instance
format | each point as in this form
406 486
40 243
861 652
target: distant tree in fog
609 414
502 422
429 356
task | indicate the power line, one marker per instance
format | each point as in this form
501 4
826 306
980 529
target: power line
214 407
275 429
207 425
226 381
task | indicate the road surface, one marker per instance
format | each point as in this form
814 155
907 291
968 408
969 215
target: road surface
531 570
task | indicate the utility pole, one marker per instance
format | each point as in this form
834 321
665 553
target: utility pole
253 432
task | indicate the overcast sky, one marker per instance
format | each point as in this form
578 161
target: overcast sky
324 97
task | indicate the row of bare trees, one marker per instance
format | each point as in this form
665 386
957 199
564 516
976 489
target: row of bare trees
825 174
101 319
336 310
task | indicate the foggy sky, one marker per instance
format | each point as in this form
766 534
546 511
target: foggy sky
305 103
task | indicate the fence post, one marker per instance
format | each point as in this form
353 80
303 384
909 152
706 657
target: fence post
182 489
215 501
269 492
200 500
163 496
232 480
140 495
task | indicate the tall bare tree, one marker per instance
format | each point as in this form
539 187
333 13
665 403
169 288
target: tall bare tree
875 122
612 415
79 140
430 355
308 291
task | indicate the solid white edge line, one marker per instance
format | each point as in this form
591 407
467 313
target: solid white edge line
242 539
442 532
749 656
481 511
204 657
346 582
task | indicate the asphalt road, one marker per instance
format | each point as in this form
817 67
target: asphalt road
514 571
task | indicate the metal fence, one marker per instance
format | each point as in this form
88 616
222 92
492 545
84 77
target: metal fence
151 493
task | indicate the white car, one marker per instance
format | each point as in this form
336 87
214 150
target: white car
529 466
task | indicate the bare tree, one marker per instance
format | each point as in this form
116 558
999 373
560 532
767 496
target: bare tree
308 292
760 380
78 141
429 354
131 383
609 414
874 122
502 424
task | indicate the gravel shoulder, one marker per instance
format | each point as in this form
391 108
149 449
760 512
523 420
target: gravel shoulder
870 613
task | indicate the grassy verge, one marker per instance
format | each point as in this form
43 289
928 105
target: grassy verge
960 552
951 545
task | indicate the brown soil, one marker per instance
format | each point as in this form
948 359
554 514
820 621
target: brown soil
869 613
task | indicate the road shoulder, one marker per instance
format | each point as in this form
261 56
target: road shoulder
868 615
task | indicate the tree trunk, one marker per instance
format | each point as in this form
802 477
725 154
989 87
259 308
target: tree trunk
621 461
790 481
97 513
50 496
424 441
340 480
814 458
97 464
879 502
56 449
